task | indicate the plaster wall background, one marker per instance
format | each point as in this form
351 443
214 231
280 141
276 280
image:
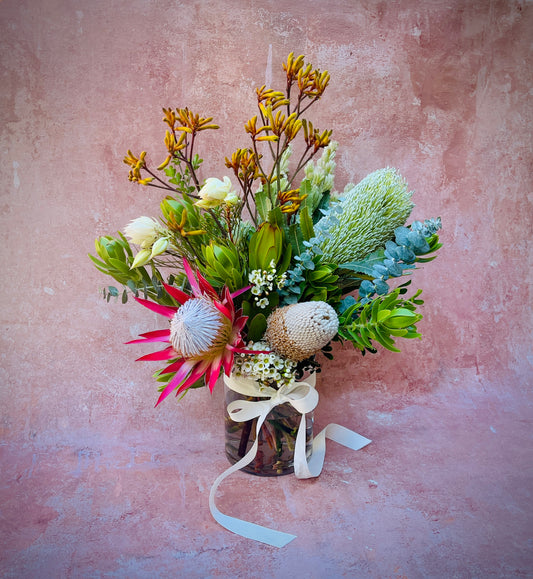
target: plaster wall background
94 481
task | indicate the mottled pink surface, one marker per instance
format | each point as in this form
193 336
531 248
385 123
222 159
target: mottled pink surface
94 481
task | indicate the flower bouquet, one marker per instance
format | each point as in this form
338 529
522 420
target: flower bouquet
258 273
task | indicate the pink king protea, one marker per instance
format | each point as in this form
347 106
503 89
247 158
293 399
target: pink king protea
204 334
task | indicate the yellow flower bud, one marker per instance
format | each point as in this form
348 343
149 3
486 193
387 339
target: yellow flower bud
268 138
164 163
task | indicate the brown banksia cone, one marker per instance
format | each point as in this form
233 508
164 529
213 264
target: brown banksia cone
300 330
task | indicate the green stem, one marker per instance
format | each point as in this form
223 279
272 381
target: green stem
215 219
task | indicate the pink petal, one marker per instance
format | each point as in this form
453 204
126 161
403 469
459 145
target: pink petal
227 361
206 287
240 322
167 311
177 294
241 291
245 351
197 373
192 280
155 333
174 367
180 375
213 373
228 302
166 354
223 309
155 336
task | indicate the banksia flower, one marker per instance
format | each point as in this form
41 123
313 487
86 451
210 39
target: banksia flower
371 211
300 330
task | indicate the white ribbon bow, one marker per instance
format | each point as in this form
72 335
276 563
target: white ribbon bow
304 398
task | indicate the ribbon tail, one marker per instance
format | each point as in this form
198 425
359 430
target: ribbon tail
337 433
238 526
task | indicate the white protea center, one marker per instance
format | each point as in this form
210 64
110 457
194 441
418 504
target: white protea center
301 330
199 328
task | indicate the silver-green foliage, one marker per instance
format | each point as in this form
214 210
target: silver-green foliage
397 257
371 211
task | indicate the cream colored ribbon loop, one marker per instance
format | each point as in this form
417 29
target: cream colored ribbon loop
301 395
339 434
304 398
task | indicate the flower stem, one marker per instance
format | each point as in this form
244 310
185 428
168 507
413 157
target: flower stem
245 436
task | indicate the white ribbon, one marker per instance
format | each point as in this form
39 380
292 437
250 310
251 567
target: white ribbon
304 398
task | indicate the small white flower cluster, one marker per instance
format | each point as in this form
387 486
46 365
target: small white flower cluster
265 368
263 282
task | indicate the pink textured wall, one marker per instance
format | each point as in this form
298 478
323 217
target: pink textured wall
94 481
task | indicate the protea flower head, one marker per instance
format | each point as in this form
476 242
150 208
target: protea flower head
204 334
143 231
300 330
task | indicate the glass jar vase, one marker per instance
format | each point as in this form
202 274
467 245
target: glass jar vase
276 441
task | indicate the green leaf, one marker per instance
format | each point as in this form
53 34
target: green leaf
382 337
296 239
119 265
273 300
399 333
318 274
257 327
383 315
246 308
322 204
286 260
275 217
99 264
131 284
306 224
401 318
263 204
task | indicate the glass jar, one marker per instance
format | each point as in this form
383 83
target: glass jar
277 437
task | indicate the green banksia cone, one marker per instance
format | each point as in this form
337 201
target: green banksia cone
371 211
300 330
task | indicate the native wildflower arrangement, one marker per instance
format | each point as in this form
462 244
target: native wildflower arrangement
260 270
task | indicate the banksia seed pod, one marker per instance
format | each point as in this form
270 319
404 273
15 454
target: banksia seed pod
301 330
